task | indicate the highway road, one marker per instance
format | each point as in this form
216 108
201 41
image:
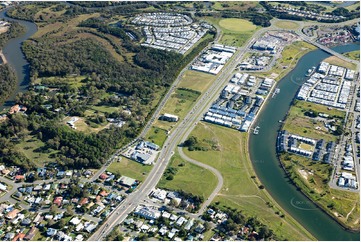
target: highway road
179 134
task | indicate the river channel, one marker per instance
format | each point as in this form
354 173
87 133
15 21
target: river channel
262 146
16 58
267 166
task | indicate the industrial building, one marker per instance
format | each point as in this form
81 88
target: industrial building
169 117
213 60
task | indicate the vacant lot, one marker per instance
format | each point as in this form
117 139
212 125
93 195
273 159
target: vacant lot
178 104
339 62
298 123
236 5
195 80
157 136
290 56
240 190
34 150
354 55
342 204
189 178
286 24
237 25
130 168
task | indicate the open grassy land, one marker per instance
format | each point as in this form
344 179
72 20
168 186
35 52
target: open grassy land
287 24
235 31
73 81
339 62
240 190
298 123
354 55
289 58
196 80
188 177
236 5
33 148
178 104
130 168
313 179
157 135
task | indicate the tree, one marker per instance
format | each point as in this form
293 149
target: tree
192 141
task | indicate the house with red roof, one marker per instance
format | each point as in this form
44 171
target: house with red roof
103 176
19 237
58 201
103 193
83 201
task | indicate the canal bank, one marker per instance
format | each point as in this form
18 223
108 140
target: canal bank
267 166
16 58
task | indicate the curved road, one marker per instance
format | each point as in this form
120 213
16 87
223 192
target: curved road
214 171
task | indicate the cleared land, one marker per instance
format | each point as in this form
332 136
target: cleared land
298 123
189 178
130 168
339 62
157 135
34 150
236 5
286 24
289 58
178 104
354 55
237 25
235 32
195 80
240 190
313 179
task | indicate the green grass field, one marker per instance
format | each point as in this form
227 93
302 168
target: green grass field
157 136
130 168
287 24
305 146
235 5
178 104
76 81
297 123
354 55
338 203
235 31
339 62
237 25
29 147
189 178
196 80
240 190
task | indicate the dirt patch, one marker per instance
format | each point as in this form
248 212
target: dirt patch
304 174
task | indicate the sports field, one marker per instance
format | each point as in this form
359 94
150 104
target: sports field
234 31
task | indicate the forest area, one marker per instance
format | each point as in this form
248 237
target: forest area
108 84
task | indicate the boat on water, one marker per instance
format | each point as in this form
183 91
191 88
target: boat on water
277 90
256 131
311 71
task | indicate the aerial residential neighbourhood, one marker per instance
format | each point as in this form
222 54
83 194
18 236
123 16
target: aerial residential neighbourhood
179 120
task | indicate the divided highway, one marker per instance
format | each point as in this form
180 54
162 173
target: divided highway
179 134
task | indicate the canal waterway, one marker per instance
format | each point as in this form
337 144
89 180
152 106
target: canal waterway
16 59
266 163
